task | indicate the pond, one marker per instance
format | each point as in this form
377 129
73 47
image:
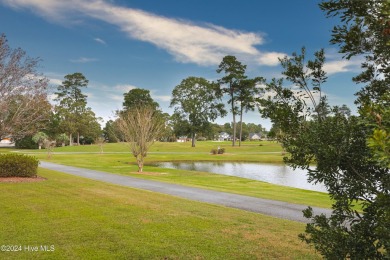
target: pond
272 173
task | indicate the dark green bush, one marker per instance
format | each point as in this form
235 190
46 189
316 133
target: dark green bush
18 165
26 143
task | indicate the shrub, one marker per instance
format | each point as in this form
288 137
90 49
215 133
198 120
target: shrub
62 138
18 165
26 143
218 151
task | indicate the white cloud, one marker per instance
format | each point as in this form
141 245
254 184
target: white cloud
90 95
186 41
83 60
203 44
100 41
297 92
124 87
162 98
336 64
116 97
55 81
270 58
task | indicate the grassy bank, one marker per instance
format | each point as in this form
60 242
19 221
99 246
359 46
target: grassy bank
117 159
85 219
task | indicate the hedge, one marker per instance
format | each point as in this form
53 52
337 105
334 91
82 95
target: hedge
18 165
26 143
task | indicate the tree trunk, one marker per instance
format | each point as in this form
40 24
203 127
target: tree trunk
239 140
78 138
193 140
70 140
140 163
234 120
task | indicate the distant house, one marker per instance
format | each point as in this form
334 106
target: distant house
181 139
254 136
223 136
7 142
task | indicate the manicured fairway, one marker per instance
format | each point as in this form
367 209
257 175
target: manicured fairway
86 219
117 159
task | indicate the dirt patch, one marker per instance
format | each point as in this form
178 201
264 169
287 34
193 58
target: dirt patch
149 173
22 179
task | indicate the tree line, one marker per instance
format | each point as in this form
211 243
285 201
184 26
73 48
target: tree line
197 102
25 107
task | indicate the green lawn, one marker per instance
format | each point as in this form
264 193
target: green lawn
5 150
118 160
263 151
85 219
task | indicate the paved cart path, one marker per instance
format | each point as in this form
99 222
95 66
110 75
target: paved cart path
268 207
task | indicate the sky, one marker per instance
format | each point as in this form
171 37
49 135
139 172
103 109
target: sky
123 44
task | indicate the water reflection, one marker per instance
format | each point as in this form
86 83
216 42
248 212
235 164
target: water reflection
276 174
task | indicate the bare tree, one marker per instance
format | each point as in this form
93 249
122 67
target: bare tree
140 126
49 146
100 141
23 93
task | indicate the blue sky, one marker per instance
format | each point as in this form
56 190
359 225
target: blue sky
123 44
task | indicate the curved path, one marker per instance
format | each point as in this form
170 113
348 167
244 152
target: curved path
268 207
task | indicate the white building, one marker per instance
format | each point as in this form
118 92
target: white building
223 136
7 142
254 136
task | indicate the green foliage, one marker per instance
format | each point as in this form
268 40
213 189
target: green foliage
377 115
26 143
111 132
379 142
62 138
69 94
248 97
72 114
227 127
39 138
337 143
18 165
180 125
197 102
360 145
138 97
234 74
